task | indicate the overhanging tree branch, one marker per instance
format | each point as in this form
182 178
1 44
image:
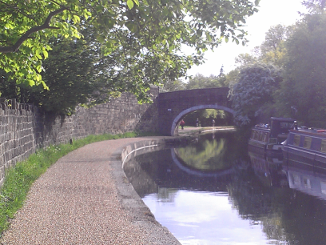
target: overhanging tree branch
25 36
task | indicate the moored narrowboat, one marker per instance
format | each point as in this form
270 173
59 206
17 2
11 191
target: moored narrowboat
269 138
306 148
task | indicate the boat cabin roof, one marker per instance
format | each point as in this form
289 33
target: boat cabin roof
312 132
283 119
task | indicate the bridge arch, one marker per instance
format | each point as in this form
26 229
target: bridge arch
172 106
195 108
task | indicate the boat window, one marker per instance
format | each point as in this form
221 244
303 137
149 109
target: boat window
296 179
315 144
323 187
261 136
296 140
307 142
323 145
290 139
306 183
257 135
253 134
287 125
265 137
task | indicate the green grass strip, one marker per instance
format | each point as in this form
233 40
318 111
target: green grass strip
19 179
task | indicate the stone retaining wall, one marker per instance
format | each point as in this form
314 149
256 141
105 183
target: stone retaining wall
23 129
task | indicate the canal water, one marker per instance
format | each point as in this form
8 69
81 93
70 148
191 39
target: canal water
213 191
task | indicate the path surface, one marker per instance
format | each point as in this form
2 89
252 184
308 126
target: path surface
85 198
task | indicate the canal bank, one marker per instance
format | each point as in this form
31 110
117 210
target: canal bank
85 198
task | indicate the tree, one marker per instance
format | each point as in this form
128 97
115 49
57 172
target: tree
245 59
254 93
175 85
200 81
158 26
304 85
315 6
124 47
232 77
273 50
26 27
77 73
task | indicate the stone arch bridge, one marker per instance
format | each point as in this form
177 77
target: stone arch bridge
173 106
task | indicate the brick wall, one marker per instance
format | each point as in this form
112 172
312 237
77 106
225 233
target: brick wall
23 129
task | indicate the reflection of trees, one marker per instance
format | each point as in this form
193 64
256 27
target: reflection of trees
166 174
255 202
305 217
211 153
286 215
209 156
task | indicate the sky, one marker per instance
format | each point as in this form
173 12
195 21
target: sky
271 13
199 217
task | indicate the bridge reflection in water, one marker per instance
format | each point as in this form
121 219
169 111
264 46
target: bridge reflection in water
234 199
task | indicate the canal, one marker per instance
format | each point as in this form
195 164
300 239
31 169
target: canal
213 191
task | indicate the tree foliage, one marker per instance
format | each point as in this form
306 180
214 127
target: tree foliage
271 51
77 73
26 27
315 6
173 85
200 81
254 92
100 48
304 85
245 59
256 80
300 51
154 25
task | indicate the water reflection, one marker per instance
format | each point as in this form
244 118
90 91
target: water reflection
268 169
230 198
208 155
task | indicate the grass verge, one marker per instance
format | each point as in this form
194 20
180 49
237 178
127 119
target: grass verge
19 179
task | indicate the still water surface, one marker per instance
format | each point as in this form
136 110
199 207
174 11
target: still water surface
212 191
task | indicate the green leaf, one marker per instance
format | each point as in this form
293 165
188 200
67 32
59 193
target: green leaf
76 19
46 54
130 4
38 68
31 83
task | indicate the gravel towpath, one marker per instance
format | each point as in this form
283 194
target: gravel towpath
85 198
